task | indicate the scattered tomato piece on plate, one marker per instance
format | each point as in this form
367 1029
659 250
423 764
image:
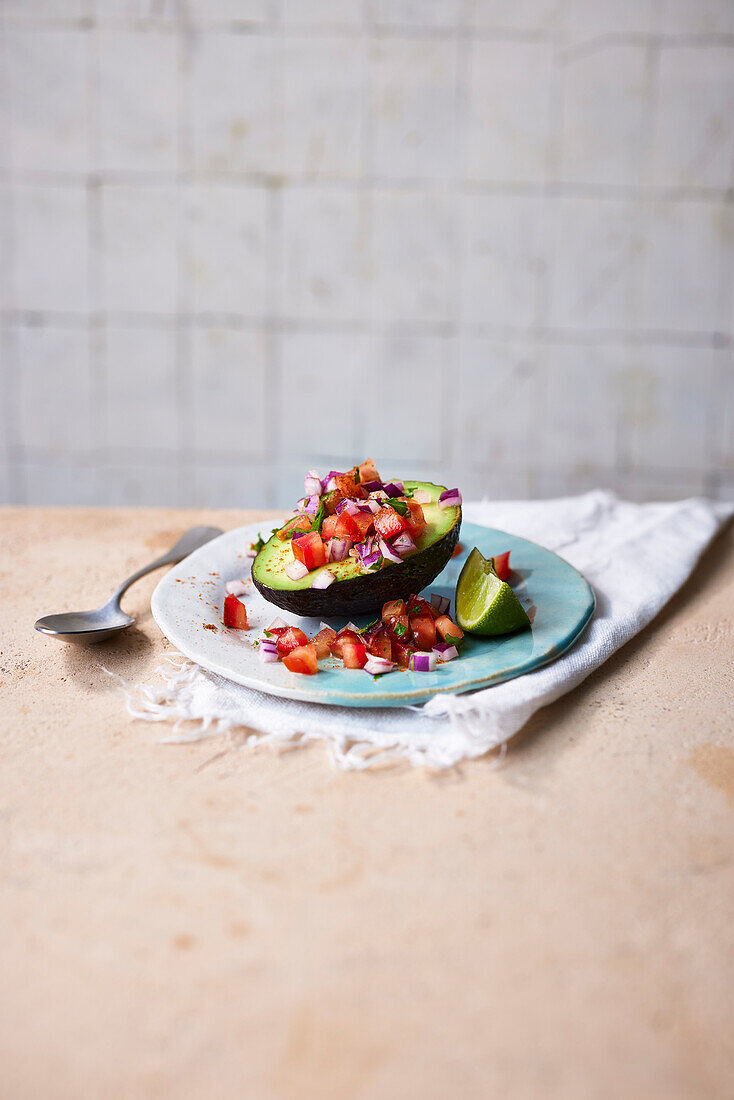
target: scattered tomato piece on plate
235 614
302 659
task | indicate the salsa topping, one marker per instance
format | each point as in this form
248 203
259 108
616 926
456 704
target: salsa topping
354 514
405 636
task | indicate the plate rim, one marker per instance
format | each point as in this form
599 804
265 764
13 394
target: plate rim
358 699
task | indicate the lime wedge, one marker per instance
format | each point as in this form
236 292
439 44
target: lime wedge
485 604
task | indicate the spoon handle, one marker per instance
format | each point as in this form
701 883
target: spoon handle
190 541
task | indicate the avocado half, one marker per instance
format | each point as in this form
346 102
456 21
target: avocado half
355 593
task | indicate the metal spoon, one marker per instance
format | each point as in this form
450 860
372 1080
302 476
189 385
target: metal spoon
103 622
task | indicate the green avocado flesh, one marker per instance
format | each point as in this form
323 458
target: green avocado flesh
354 592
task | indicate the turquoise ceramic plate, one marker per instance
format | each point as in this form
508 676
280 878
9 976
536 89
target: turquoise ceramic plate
187 607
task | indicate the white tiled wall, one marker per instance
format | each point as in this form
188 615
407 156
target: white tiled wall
481 240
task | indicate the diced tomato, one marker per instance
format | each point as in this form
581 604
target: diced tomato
388 523
276 630
291 639
235 614
347 527
343 637
415 519
458 549
368 471
393 608
298 523
330 501
364 521
309 549
379 644
395 617
418 606
401 653
327 527
322 641
445 627
502 565
302 659
423 629
354 654
360 492
399 628
347 486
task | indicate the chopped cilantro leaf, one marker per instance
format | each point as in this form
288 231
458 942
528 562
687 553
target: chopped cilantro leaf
452 639
401 630
318 519
356 475
399 505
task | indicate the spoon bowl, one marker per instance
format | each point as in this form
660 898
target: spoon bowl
86 626
106 621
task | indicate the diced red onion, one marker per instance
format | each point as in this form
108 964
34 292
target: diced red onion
365 548
296 570
325 626
394 488
371 486
329 482
347 505
388 553
268 652
323 579
337 549
311 505
236 588
312 484
352 626
420 496
371 506
404 544
371 559
377 665
378 494
445 652
422 662
440 603
450 499
301 505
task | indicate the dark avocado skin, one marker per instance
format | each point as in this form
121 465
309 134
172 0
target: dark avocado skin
367 593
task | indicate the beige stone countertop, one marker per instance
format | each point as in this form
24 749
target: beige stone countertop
208 921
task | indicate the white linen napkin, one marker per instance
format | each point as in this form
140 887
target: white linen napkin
635 556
